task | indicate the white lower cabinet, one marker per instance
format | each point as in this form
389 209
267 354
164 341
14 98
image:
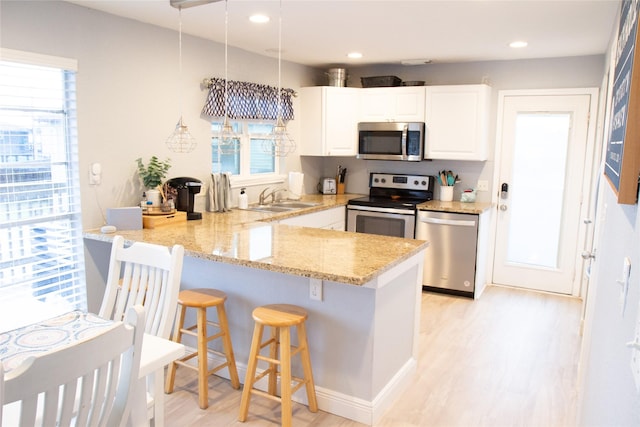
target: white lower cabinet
457 122
331 219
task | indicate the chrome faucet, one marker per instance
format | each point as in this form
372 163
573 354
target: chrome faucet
263 197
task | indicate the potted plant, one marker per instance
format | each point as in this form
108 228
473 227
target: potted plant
152 175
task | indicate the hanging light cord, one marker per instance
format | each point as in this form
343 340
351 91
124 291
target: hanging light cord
226 49
280 63
180 96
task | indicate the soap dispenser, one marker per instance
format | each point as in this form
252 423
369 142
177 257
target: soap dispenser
243 200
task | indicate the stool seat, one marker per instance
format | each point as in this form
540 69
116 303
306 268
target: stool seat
279 318
201 299
279 315
204 297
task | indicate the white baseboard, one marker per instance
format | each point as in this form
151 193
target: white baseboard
334 402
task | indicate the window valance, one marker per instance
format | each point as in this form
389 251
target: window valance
247 100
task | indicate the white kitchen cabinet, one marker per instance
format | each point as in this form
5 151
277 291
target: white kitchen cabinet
331 219
457 121
392 104
329 117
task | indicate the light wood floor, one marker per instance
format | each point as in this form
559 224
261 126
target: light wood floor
507 359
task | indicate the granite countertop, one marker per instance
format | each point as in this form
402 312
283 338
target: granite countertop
253 239
454 207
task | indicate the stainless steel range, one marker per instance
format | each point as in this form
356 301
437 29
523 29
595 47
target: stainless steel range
390 208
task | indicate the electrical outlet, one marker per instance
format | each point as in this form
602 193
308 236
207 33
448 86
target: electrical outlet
315 289
95 174
483 185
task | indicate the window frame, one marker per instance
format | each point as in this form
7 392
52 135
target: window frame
75 294
246 178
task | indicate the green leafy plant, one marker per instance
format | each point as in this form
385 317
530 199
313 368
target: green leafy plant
153 173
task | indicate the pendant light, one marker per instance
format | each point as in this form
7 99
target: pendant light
181 140
228 140
281 142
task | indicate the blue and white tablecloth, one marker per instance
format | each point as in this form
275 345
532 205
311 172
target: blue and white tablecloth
63 330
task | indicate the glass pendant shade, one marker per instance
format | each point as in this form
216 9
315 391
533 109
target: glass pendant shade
283 144
181 140
228 139
280 144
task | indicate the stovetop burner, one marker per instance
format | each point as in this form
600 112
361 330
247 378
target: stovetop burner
397 191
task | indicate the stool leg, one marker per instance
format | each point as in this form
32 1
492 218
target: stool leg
203 362
177 337
228 348
285 375
273 355
306 367
252 364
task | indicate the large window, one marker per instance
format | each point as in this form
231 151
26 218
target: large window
40 225
250 157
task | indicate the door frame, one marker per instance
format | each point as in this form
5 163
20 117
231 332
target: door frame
579 269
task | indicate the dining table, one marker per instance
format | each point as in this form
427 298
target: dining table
30 338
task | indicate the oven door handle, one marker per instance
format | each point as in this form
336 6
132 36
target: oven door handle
382 210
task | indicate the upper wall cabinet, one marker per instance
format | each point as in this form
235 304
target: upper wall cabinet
329 121
457 121
392 104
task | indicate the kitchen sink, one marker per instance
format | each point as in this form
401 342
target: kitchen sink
270 208
295 205
283 206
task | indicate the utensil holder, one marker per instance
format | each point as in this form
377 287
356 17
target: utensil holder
446 193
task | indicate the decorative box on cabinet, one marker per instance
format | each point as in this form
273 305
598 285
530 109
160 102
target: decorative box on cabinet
392 104
457 119
329 121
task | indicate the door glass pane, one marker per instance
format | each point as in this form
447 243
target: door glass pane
537 188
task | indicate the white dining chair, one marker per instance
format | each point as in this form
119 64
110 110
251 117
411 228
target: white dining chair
146 274
89 383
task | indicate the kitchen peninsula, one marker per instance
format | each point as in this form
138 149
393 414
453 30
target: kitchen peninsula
362 330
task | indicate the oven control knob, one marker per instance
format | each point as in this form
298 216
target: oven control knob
383 180
375 179
415 182
424 182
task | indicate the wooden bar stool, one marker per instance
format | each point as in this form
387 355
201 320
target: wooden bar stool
201 299
280 317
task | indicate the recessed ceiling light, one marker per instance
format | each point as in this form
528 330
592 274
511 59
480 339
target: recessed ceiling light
259 19
354 55
518 44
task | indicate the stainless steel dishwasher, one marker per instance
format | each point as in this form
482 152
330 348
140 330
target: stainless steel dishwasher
450 259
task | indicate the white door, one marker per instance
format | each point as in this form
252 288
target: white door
544 140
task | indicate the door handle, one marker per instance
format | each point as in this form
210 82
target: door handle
589 255
503 207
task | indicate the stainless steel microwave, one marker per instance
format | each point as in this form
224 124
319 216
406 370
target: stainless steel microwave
391 141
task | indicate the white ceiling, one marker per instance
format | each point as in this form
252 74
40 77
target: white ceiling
321 32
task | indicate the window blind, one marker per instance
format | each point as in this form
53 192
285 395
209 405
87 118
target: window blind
41 244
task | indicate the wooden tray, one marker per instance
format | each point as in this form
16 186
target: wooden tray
153 221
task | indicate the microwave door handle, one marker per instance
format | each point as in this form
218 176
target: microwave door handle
405 131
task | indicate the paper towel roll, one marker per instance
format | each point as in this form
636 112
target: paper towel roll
295 185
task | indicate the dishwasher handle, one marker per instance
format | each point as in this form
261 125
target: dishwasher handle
456 222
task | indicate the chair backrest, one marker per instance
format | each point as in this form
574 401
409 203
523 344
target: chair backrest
89 383
144 274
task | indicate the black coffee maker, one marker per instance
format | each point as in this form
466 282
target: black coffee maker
185 189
